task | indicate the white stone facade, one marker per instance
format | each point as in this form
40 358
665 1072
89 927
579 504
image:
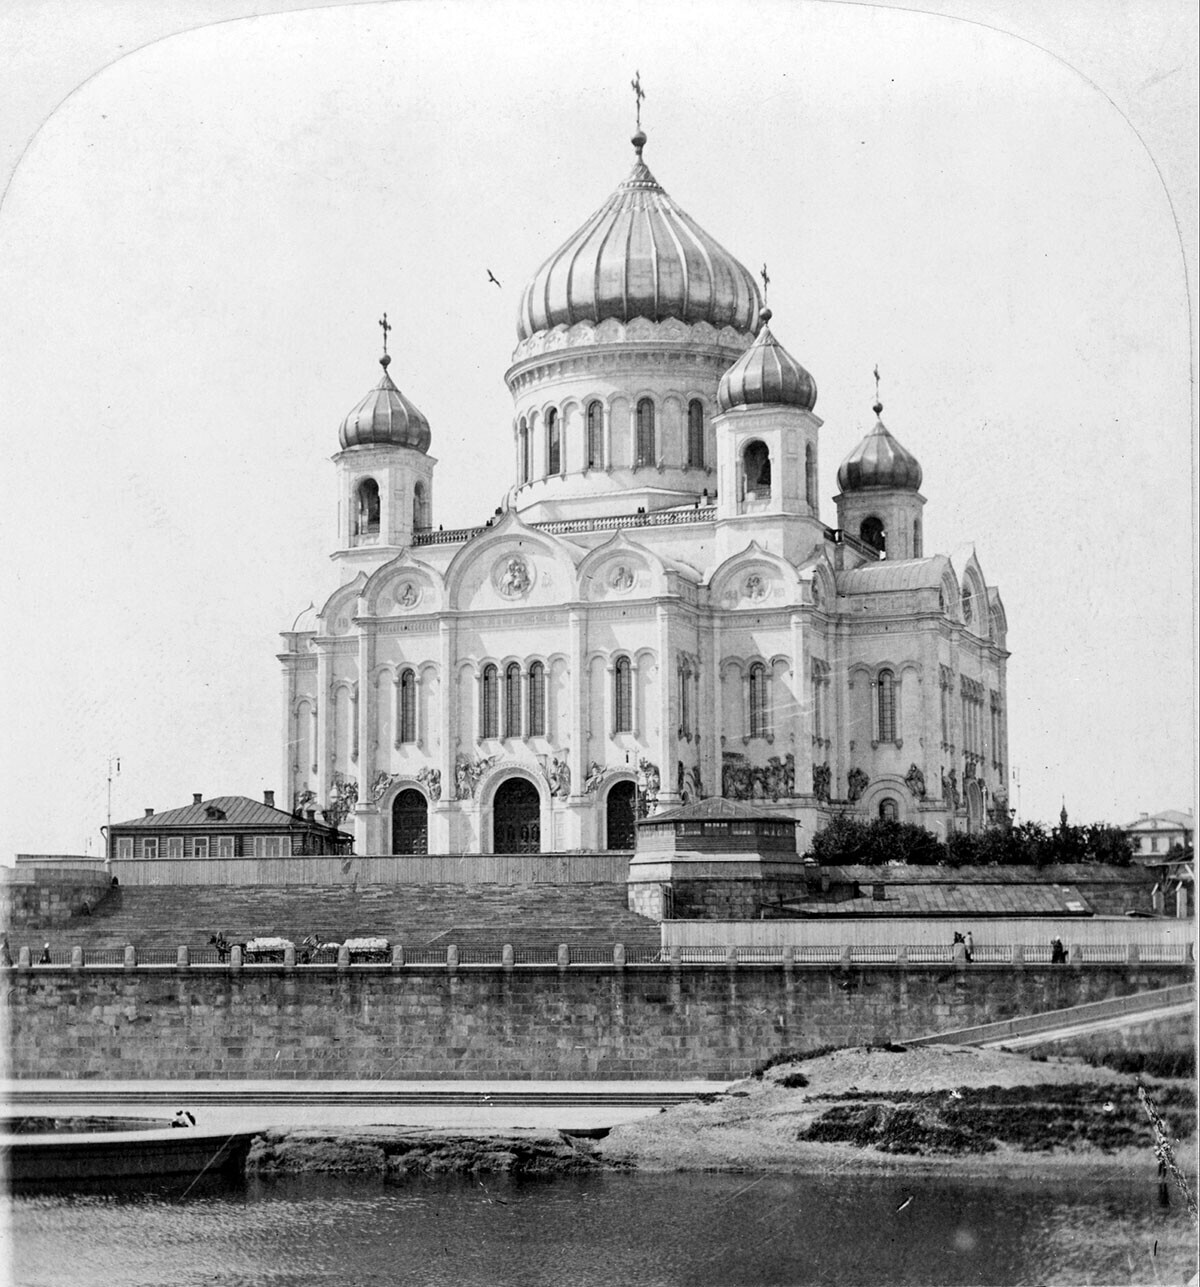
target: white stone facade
658 614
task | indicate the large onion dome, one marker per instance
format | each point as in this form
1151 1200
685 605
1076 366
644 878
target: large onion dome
766 374
385 418
879 461
639 255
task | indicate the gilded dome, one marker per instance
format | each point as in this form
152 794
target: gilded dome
639 255
766 374
879 461
385 418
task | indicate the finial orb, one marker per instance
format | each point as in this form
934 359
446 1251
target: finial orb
765 316
639 141
878 408
385 361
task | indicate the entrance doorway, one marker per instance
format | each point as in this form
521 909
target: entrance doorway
410 823
621 823
516 818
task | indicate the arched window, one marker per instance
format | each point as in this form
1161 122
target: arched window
756 471
553 444
695 446
420 506
595 435
489 714
871 533
525 454
917 550
888 811
887 706
758 700
367 521
810 476
623 696
512 700
408 707
537 700
645 433
967 604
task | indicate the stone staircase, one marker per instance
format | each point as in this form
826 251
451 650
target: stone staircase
528 917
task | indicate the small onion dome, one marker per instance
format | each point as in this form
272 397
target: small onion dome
879 461
385 418
766 374
639 255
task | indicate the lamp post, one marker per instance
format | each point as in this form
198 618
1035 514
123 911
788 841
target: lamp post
114 769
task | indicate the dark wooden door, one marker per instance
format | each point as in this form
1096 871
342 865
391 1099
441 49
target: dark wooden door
517 818
410 823
621 829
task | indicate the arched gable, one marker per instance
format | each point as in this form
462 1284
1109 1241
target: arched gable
510 566
819 581
973 609
404 585
337 615
620 569
754 578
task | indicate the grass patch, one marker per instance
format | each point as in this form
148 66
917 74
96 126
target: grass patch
1030 1118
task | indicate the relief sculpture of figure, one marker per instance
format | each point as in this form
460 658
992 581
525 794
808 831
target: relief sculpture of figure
916 781
595 775
431 779
622 578
559 777
821 779
856 783
515 579
383 780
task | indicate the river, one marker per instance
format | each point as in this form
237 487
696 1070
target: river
597 1230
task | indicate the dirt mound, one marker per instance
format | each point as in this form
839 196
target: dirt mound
768 1123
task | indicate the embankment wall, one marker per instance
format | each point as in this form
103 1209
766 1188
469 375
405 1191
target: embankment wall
577 1022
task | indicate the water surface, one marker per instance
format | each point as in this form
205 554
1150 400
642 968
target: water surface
607 1229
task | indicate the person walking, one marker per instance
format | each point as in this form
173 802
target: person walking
44 959
969 944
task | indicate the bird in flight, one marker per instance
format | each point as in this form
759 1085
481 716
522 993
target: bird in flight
492 277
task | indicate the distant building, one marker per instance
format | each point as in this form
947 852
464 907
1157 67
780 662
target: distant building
658 612
228 826
1154 834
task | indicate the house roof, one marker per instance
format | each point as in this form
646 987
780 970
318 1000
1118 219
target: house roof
233 810
954 900
717 809
1058 874
1167 820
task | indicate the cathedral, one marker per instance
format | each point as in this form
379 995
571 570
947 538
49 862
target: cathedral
657 613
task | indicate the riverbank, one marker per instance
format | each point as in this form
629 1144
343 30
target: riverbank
935 1109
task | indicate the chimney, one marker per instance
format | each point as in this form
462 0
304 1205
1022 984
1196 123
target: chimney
269 799
149 813
197 797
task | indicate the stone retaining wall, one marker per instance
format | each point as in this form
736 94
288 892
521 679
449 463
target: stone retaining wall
539 1022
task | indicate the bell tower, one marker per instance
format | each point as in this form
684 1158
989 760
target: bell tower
385 474
879 501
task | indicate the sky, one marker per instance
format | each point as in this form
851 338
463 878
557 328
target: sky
206 213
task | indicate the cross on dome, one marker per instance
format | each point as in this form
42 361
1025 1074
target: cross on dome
385 327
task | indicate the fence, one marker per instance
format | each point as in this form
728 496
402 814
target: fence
993 934
506 956
332 870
